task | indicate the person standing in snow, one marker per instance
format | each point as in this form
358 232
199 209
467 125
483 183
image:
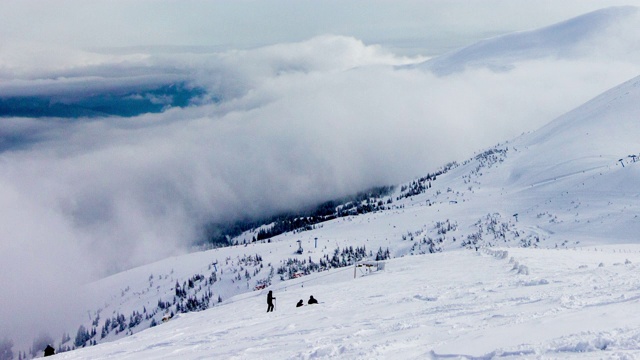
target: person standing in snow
312 300
270 299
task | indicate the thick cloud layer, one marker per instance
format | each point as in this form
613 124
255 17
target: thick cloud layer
291 125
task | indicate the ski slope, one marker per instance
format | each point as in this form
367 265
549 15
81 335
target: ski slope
570 303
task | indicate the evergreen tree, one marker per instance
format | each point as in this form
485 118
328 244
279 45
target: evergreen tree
82 336
6 349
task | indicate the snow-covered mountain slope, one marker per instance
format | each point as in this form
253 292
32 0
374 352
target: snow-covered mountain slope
583 166
515 303
568 39
573 183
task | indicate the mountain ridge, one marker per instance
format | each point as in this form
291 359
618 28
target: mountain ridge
558 40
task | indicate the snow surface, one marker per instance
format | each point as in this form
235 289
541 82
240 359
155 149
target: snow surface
577 303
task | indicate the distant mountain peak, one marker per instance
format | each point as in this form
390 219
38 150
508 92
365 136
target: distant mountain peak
563 39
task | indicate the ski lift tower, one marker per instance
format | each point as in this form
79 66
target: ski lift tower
299 251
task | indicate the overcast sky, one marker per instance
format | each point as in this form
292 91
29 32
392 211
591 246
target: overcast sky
311 108
431 24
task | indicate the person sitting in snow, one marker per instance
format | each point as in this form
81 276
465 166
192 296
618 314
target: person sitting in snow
300 303
49 351
312 300
270 299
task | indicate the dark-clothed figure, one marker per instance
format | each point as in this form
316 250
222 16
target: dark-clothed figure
270 299
312 300
300 303
49 351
